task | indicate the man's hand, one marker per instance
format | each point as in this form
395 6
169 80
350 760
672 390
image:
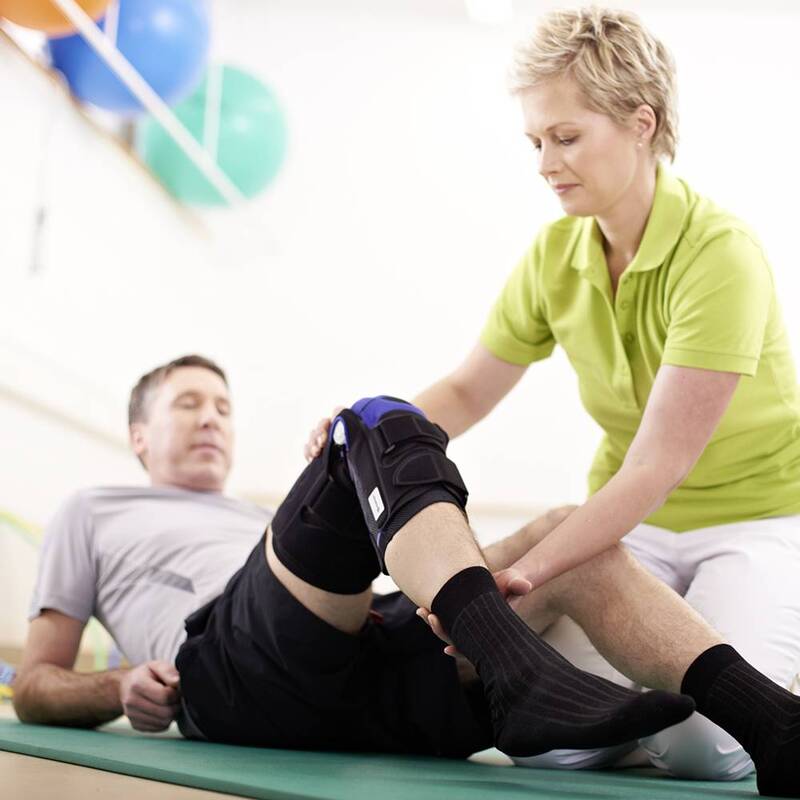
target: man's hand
318 436
512 585
150 695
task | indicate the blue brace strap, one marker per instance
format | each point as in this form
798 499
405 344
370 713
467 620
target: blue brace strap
396 458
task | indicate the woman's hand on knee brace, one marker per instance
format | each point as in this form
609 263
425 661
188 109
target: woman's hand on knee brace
319 435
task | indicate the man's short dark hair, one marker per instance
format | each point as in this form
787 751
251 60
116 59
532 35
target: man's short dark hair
137 407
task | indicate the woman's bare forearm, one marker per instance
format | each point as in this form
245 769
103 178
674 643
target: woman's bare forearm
448 406
466 395
506 552
604 519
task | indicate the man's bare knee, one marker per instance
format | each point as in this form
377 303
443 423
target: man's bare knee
559 514
603 568
593 577
542 526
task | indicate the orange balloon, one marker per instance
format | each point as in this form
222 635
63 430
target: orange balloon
45 15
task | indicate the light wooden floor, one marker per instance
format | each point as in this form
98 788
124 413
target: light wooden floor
29 778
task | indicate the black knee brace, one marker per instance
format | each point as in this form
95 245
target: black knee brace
319 531
396 458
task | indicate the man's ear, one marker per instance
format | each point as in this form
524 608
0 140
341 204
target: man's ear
138 439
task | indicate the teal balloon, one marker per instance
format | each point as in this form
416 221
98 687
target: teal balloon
251 143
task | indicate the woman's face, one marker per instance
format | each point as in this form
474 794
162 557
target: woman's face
589 160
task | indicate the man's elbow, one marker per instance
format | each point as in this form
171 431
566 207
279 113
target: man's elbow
28 706
21 700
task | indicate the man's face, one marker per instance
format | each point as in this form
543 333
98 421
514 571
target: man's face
187 437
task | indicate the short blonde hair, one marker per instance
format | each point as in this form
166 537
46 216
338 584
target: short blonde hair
617 63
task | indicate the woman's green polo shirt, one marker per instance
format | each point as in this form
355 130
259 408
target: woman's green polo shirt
699 293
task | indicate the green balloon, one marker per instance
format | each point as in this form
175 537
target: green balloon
251 141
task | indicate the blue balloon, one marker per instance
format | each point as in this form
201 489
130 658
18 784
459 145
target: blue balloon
166 41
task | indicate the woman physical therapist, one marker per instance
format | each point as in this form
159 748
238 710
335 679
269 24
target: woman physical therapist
665 306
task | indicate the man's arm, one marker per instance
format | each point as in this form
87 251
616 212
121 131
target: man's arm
48 691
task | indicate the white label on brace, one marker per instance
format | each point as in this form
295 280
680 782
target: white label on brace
376 503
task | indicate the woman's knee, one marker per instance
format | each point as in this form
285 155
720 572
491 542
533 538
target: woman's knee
698 750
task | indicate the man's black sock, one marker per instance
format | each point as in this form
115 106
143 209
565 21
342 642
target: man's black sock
759 714
538 700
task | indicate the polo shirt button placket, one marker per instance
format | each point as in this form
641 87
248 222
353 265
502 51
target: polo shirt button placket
625 377
624 292
622 382
625 386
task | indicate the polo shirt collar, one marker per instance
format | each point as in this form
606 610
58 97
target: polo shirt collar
664 228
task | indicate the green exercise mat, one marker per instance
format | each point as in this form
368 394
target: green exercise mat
289 774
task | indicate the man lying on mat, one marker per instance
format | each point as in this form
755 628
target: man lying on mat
294 650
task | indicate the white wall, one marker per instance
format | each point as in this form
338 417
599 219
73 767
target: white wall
408 194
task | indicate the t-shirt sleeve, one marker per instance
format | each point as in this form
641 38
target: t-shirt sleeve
66 578
719 307
517 330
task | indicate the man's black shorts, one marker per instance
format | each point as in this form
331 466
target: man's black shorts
258 668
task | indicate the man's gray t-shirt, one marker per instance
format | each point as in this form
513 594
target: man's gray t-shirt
142 559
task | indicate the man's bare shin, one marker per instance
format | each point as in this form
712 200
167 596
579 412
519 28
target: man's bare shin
429 549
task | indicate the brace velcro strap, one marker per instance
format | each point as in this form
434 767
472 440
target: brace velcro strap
407 427
426 468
